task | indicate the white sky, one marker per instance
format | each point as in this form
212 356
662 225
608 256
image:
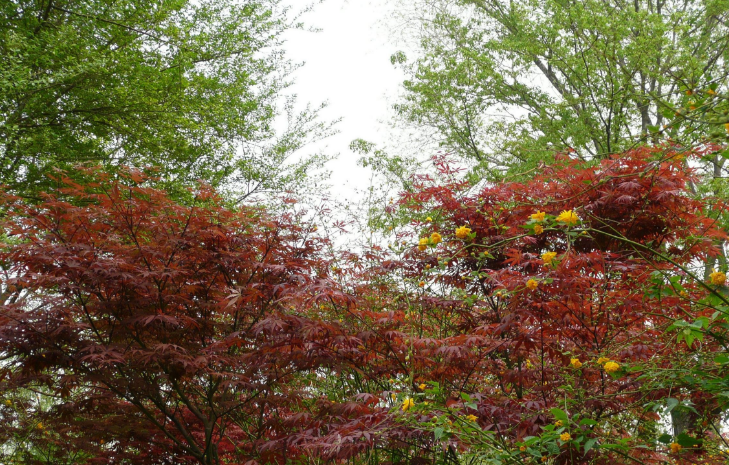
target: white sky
347 64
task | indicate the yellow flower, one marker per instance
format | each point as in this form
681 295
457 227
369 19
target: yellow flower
522 448
421 284
602 360
463 232
726 126
565 437
538 216
558 423
575 362
422 387
435 238
711 92
548 257
393 396
568 217
422 243
718 278
676 447
8 402
544 458
529 364
39 426
472 418
611 367
532 284
683 294
407 404
538 229
429 219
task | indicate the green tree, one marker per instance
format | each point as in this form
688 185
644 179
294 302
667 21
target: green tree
507 83
191 87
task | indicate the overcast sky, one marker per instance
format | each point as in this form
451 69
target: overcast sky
347 65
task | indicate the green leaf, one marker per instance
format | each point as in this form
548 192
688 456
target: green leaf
687 441
560 414
671 403
589 444
665 439
438 433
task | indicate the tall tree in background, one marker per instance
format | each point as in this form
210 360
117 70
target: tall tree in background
193 88
506 83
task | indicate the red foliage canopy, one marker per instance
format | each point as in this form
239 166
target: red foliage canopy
169 333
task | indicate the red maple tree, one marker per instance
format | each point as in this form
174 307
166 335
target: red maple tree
168 333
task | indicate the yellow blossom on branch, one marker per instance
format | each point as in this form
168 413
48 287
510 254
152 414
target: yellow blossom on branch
611 367
422 387
568 217
565 437
676 447
423 243
463 232
532 284
407 404
538 229
558 423
435 238
602 360
538 216
718 278
472 418
575 362
548 257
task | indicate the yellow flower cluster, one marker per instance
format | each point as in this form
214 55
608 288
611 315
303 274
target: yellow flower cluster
407 404
538 216
676 447
718 278
422 387
463 232
565 437
532 284
602 360
611 367
434 239
568 217
471 418
558 423
575 362
538 229
548 257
